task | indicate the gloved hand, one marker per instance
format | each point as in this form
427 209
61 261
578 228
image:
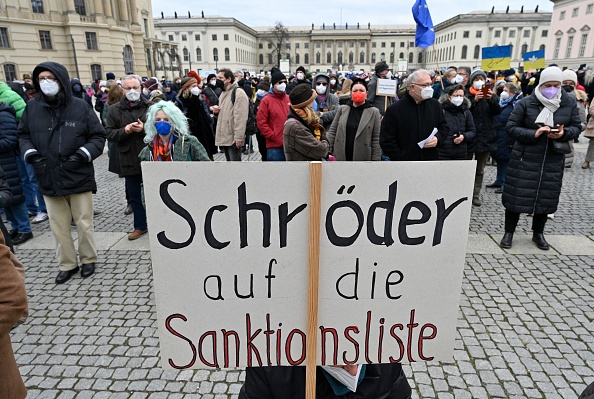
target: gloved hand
76 157
34 158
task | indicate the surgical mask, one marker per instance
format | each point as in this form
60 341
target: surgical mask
389 75
549 92
300 76
281 87
504 95
358 97
427 93
145 91
133 95
213 82
457 101
195 91
321 89
333 81
457 79
261 93
478 84
49 88
77 89
163 128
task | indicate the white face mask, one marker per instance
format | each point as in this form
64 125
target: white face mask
133 95
195 91
504 95
333 82
478 84
427 93
457 101
49 88
261 93
457 79
281 87
321 89
389 75
145 91
300 76
213 82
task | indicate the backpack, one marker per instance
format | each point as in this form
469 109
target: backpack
250 126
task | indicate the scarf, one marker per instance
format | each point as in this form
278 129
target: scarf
309 116
161 151
503 103
550 106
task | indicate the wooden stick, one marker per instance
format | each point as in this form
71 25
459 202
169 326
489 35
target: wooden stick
315 208
437 63
385 103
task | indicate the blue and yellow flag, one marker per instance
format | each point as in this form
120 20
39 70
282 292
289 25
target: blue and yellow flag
496 58
425 35
534 60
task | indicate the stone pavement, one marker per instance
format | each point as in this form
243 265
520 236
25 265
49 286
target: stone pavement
525 325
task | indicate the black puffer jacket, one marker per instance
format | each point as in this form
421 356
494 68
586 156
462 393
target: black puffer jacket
385 381
483 112
460 121
9 144
56 130
535 172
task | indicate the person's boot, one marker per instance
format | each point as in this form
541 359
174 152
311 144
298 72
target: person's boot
506 241
540 241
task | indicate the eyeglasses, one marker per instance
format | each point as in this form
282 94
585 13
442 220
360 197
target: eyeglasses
131 88
51 80
321 84
423 85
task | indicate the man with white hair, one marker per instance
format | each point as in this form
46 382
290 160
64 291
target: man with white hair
411 120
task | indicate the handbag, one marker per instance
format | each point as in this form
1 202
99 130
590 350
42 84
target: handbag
560 147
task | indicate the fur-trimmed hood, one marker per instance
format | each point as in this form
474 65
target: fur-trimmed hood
444 99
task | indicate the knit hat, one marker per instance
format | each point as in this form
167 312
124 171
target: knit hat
263 85
301 68
187 82
302 95
509 72
381 66
277 75
152 82
551 74
477 72
359 81
110 76
193 74
568 74
211 76
321 76
103 83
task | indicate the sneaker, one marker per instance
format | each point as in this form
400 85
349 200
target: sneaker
476 201
22 238
32 214
40 217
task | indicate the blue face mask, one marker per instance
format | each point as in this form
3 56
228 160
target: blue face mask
77 89
163 128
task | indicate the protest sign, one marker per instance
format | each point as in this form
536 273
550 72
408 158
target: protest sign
386 87
229 246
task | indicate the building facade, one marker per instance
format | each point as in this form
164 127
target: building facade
89 37
571 42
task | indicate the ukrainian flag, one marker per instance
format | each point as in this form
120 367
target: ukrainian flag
534 60
496 58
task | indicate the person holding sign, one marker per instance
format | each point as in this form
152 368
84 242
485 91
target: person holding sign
354 134
168 136
381 102
412 120
542 124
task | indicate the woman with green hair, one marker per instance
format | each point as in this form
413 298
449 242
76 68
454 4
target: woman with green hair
168 138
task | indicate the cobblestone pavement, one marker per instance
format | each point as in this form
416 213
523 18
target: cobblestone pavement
525 325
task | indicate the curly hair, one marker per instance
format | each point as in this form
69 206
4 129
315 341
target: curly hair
179 122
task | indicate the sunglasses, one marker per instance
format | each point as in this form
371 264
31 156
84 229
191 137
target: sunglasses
322 84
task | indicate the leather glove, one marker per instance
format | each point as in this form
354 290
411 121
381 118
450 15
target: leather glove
35 158
76 157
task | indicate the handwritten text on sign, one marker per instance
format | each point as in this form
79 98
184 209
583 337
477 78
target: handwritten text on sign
229 245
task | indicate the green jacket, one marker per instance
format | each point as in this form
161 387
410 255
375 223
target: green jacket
189 150
9 96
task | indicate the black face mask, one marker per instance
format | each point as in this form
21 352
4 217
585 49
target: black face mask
568 88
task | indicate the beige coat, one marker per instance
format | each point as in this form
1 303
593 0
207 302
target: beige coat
590 126
232 117
366 147
13 302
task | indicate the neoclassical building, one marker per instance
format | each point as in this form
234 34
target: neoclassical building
89 37
571 42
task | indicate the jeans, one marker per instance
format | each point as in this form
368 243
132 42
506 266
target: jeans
18 217
134 189
275 154
30 188
501 172
481 161
232 153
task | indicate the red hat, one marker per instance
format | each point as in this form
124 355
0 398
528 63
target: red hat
194 75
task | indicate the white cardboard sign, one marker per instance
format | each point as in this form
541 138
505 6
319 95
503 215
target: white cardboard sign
229 246
386 87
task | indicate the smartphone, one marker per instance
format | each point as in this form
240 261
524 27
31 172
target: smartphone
554 130
486 88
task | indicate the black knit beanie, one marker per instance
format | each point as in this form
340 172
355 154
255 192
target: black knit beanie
276 76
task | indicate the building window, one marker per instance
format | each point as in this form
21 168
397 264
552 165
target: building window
351 44
45 39
227 56
261 59
270 59
91 38
128 60
542 47
561 15
583 44
373 58
557 46
464 54
296 45
297 58
146 27
373 44
383 44
37 6
184 38
96 73
260 45
401 56
225 37
545 33
479 34
198 54
420 58
328 58
569 45
10 74
214 38
288 46
339 58
411 58
306 57
382 56
351 57
497 33
170 38
215 54
575 12
477 52
524 49
362 44
466 34
4 40
318 44
186 54
340 44
391 58
197 36
318 57
362 57
306 45
512 34
589 8
526 33
269 46
79 7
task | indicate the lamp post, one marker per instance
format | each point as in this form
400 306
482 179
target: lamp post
189 57
216 58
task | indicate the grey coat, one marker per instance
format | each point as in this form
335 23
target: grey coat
366 146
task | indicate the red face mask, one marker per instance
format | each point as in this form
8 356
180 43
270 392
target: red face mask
358 97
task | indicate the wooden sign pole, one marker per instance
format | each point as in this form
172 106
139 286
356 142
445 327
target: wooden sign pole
315 207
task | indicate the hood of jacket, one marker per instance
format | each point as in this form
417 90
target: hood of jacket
4 107
446 104
73 82
59 72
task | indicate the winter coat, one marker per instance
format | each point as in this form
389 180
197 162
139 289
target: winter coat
504 142
535 172
299 141
483 112
19 89
406 123
271 117
10 97
212 94
9 143
581 98
128 146
184 149
82 94
385 381
459 121
232 117
199 120
294 84
56 131
332 104
588 392
172 95
378 101
366 146
13 302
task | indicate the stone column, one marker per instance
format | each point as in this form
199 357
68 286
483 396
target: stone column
123 10
98 6
134 11
70 6
107 8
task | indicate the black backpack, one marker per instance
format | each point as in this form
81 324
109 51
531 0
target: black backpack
250 126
